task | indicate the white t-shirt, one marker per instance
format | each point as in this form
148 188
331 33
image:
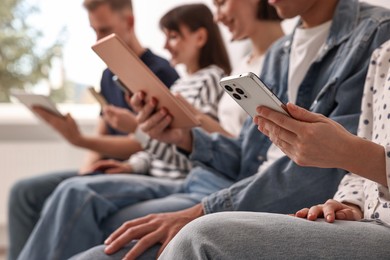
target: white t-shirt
231 116
306 46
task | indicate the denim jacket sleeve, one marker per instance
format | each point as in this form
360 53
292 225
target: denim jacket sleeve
216 152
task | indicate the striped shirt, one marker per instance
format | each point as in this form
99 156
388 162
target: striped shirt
202 91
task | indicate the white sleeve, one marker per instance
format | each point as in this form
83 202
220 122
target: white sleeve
351 190
141 162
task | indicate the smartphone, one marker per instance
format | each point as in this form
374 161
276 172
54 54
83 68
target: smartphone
99 98
31 100
250 92
120 84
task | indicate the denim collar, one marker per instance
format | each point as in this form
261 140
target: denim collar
345 18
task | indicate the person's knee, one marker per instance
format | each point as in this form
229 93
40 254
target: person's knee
202 229
21 192
72 187
75 190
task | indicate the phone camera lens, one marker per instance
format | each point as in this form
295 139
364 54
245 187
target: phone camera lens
228 88
236 96
240 91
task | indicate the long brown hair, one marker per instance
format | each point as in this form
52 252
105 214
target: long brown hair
196 16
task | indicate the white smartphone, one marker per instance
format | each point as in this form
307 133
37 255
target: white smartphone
250 92
31 100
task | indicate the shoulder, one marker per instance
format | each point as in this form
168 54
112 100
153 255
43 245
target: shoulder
160 67
153 60
373 22
373 13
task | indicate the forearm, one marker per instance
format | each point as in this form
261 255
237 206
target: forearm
169 154
366 159
120 147
217 152
193 212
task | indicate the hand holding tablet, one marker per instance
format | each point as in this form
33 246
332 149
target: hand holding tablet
136 76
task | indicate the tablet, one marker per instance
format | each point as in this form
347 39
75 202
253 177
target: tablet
136 76
250 92
31 100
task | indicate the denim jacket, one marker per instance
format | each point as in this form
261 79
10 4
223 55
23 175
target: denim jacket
333 86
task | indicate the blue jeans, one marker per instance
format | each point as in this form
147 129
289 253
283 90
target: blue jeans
26 200
82 211
248 235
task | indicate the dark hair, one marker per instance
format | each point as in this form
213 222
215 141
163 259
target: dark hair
115 5
196 16
267 12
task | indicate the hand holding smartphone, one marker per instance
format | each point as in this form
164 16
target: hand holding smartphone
250 92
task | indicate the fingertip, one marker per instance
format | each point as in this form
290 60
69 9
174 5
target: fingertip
311 216
292 109
153 101
163 111
329 218
140 95
292 106
108 249
259 109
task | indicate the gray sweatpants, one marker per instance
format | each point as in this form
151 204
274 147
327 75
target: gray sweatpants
248 235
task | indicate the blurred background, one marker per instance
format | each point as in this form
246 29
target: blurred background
45 48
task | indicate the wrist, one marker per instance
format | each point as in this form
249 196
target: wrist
368 160
78 140
82 142
350 152
195 212
128 168
355 208
186 141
